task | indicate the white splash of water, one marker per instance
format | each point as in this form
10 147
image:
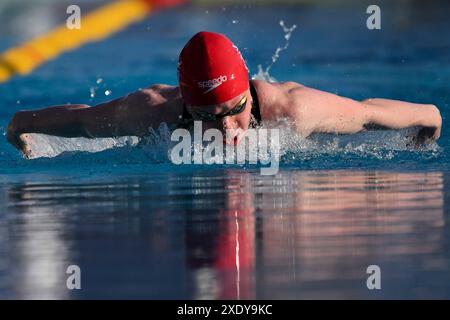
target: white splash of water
379 144
46 146
93 89
156 145
264 74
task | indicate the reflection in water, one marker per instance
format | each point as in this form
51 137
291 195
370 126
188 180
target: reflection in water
41 249
336 224
4 251
229 234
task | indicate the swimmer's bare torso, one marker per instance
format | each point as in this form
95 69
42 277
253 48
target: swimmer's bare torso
309 110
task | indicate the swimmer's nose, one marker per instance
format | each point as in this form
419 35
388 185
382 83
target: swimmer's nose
228 123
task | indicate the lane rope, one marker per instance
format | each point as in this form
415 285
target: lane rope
95 25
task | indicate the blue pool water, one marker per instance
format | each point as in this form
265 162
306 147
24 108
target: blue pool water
140 227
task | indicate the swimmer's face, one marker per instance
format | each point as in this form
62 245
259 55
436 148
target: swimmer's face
233 115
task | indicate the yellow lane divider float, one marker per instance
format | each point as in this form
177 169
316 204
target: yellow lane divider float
96 25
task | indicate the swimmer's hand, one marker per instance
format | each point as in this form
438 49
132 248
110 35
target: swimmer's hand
427 135
16 137
25 140
431 130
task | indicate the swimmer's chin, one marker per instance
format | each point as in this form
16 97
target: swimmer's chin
232 142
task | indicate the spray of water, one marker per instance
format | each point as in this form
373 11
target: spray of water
294 148
264 74
46 146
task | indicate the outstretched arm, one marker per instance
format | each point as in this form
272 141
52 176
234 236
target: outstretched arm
130 115
326 112
400 114
67 121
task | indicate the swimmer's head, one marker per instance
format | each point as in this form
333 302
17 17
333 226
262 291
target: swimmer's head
214 82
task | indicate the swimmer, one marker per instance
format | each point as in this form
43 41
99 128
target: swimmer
214 87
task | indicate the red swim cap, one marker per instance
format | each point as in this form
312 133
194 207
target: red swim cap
211 70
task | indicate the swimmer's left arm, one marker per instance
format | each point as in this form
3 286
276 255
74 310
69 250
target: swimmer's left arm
396 114
320 111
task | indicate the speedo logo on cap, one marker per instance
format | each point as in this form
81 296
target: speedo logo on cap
212 84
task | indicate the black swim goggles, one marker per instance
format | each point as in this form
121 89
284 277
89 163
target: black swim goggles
206 116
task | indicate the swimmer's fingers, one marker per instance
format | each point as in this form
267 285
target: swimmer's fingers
25 145
19 141
427 135
437 133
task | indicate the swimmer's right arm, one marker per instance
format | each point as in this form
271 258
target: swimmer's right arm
57 120
120 117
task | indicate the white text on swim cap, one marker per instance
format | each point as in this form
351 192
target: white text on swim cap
212 84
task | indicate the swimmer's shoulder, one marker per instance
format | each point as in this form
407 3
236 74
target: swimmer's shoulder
156 103
275 88
156 95
276 98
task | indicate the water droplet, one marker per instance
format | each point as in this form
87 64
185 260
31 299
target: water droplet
99 80
234 21
108 92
